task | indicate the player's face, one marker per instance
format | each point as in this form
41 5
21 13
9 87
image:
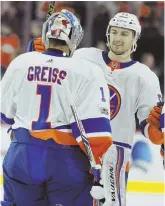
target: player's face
121 40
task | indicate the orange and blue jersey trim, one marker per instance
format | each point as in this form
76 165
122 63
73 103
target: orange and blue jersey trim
97 129
60 137
93 125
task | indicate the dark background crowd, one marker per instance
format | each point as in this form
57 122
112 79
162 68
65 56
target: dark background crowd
22 20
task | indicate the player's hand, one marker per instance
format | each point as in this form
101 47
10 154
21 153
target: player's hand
97 191
154 116
36 45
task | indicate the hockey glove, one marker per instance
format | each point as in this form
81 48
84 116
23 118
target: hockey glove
36 45
154 116
155 134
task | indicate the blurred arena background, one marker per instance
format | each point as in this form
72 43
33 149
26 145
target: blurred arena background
22 20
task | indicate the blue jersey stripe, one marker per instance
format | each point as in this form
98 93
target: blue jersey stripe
122 144
142 126
92 125
162 121
6 120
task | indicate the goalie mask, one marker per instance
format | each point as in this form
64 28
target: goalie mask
63 26
126 21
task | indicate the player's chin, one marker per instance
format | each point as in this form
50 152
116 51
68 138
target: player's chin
117 52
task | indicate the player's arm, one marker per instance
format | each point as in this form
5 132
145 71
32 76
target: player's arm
92 103
150 95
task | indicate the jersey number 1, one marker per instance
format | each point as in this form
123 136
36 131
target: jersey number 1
41 123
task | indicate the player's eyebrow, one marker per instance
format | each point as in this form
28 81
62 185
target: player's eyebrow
125 32
113 30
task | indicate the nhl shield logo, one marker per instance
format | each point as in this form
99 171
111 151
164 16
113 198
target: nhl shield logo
114 65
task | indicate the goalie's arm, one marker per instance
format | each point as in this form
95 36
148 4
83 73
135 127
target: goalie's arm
10 85
92 104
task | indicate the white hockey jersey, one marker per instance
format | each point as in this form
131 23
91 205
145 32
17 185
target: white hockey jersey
33 98
133 87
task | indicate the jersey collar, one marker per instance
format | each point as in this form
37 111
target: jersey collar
114 64
55 52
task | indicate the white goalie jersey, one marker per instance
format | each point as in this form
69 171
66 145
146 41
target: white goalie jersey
133 88
33 98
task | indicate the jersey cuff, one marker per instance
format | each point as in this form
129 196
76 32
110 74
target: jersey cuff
144 128
93 127
7 120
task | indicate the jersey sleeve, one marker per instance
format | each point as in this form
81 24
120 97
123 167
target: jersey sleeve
86 53
93 107
9 88
149 96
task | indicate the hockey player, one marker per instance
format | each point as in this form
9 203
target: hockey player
133 86
44 164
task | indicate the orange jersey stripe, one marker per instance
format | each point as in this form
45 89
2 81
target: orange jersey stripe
64 138
99 146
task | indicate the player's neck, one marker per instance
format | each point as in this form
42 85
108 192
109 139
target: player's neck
119 58
64 49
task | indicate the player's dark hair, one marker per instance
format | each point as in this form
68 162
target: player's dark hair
57 42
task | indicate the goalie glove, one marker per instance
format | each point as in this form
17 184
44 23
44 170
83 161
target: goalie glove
36 45
112 177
